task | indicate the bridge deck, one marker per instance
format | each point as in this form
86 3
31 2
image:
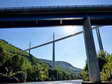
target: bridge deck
54 16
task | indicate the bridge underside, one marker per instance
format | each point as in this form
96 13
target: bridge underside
54 16
44 23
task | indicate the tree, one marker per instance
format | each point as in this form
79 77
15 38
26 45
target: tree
106 73
102 60
3 56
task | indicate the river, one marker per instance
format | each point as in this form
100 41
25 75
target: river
54 82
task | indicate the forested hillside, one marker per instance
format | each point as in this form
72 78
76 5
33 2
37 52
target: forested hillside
17 66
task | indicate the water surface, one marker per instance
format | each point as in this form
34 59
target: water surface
54 82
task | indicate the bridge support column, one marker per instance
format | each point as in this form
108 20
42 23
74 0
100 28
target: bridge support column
99 39
93 67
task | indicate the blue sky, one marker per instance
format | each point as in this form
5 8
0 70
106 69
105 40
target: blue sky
23 3
71 50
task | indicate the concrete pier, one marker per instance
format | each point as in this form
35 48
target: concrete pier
93 67
99 39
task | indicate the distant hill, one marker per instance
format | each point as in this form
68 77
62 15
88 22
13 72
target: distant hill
64 66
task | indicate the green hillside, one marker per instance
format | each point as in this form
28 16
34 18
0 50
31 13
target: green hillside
11 49
14 62
17 65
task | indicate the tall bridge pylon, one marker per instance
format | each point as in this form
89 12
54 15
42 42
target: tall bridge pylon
53 52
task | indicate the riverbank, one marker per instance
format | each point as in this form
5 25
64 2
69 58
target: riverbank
102 82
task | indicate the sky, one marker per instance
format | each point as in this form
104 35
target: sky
24 3
71 50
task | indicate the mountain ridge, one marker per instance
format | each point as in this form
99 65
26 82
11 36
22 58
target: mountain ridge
63 65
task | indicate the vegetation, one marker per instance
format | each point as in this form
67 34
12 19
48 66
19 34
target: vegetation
17 65
105 64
